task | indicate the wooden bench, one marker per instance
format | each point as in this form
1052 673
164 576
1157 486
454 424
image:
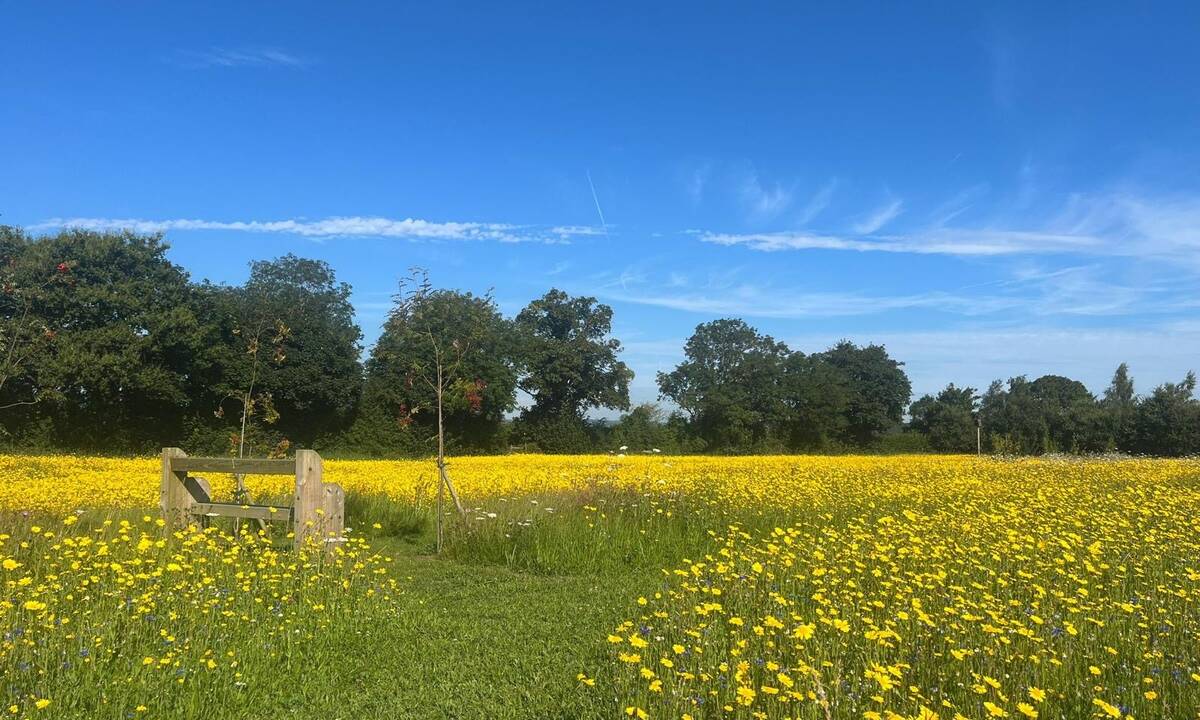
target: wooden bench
317 512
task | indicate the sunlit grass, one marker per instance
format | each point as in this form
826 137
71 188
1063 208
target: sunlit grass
772 587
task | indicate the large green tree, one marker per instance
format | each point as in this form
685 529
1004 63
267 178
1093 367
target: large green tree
729 384
815 396
118 373
314 377
25 336
1168 421
947 419
570 365
284 349
879 390
399 406
1050 414
1119 406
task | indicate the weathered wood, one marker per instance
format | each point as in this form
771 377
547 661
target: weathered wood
317 514
334 505
198 488
243 466
253 512
309 497
173 497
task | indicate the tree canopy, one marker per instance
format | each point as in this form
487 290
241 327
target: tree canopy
106 345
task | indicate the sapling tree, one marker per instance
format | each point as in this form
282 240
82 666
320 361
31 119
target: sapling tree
256 335
439 344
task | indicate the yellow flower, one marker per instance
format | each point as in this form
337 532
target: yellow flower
745 695
41 703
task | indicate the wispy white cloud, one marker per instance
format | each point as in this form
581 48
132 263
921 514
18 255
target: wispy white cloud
354 226
1115 224
241 57
960 203
696 181
879 217
750 300
763 202
1082 291
818 202
568 231
945 241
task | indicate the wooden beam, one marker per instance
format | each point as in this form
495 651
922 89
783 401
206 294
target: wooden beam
243 466
254 512
173 497
308 498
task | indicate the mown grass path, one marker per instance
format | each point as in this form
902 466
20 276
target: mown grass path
469 641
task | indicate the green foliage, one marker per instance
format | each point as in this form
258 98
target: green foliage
116 374
557 434
729 384
1168 422
643 429
399 409
1050 414
314 379
906 442
1119 407
105 345
878 390
816 397
568 358
747 392
948 420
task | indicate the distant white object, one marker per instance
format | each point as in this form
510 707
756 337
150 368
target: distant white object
623 448
657 450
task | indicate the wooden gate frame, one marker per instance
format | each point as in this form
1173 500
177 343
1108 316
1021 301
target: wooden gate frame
318 509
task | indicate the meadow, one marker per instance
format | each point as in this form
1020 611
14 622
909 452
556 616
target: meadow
644 586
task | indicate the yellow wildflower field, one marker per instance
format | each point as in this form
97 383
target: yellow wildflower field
790 587
66 483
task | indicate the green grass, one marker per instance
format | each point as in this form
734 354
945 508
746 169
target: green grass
479 642
496 627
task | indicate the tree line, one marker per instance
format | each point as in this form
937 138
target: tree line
108 346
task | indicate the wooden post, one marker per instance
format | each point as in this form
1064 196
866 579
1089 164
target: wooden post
309 498
318 511
334 505
173 497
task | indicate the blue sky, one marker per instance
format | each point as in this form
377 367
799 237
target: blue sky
989 191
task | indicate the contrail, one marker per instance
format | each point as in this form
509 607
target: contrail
596 198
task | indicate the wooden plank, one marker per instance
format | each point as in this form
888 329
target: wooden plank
198 488
333 502
243 466
173 498
308 499
254 512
